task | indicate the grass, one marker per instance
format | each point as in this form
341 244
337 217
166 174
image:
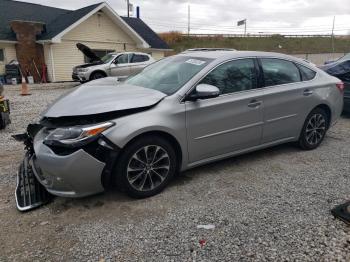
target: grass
275 43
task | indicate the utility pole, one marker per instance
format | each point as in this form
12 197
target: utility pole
128 7
189 21
245 27
333 37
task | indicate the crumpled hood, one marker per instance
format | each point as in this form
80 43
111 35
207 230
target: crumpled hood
103 96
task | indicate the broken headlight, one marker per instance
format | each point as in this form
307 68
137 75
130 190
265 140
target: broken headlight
75 136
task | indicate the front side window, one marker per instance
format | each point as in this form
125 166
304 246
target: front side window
122 59
136 58
2 57
234 76
169 74
306 73
279 72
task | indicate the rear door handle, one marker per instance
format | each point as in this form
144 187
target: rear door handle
308 92
254 103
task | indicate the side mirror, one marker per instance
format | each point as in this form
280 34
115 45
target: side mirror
204 91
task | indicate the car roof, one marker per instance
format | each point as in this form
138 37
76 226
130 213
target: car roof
208 49
235 54
225 55
118 53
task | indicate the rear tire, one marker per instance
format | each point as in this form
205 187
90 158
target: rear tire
146 166
314 129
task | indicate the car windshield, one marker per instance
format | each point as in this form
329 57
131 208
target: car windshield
170 74
107 58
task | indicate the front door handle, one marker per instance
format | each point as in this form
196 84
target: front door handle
308 92
254 103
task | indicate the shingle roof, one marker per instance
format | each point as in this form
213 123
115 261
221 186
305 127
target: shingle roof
56 20
14 10
65 20
146 33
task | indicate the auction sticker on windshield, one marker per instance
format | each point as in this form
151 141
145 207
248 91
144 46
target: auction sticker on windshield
195 62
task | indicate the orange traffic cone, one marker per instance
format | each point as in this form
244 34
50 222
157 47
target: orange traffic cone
24 89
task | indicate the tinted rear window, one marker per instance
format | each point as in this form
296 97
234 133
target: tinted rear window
139 58
279 72
306 73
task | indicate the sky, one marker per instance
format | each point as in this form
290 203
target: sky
221 16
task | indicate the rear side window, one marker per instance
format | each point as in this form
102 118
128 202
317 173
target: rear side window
279 72
234 76
306 73
139 58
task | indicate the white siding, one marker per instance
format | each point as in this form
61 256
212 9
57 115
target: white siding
97 32
158 54
98 28
9 54
66 55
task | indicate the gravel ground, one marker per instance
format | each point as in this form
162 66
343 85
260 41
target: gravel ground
269 205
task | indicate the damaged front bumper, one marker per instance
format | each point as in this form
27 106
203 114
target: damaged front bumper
46 171
75 174
29 193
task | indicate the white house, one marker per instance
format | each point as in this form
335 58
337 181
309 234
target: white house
42 35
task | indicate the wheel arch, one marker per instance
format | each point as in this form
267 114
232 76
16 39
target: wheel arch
97 71
328 111
167 136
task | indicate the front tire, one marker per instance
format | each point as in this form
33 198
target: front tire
314 129
146 166
97 75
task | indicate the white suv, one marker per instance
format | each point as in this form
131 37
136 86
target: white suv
120 65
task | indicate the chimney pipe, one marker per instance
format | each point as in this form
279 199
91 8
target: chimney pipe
138 12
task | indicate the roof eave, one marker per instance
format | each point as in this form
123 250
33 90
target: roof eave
8 41
44 41
160 49
141 43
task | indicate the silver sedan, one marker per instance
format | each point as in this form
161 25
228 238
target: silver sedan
183 111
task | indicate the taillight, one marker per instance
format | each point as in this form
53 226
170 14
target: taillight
341 87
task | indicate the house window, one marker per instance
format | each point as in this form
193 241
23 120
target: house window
99 53
2 57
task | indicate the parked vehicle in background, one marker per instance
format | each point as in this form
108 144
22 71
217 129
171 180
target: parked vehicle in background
180 112
120 65
341 69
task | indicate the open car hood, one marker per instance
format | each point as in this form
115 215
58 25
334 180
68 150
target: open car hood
88 52
102 96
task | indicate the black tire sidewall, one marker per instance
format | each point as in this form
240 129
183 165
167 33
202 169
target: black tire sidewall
129 151
93 75
302 140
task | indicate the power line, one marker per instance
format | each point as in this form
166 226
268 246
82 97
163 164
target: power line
180 24
267 30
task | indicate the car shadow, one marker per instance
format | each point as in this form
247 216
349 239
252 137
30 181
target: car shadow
346 115
111 196
221 165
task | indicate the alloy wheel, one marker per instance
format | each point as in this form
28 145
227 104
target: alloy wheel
315 129
148 168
